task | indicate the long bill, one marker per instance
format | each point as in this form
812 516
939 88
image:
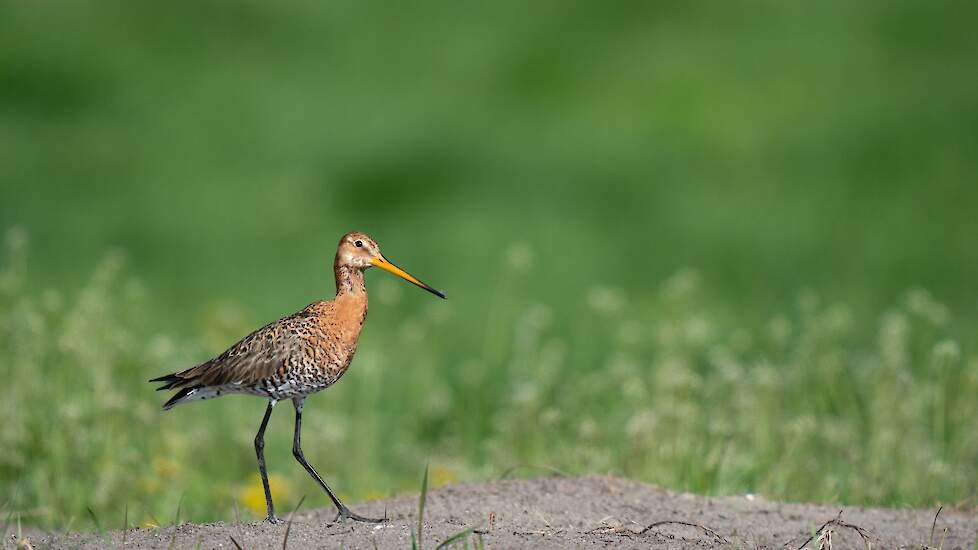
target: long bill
387 266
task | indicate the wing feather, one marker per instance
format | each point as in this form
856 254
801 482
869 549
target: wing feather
256 357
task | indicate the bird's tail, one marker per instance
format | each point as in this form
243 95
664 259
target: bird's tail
185 393
170 381
182 396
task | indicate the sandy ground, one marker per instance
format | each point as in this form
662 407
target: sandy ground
588 512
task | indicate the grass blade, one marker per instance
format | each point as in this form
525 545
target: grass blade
91 514
176 525
421 502
176 519
6 522
454 538
125 526
237 521
288 526
68 525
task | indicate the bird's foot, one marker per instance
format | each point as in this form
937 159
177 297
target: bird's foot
272 519
344 513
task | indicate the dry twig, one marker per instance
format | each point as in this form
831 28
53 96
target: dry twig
704 528
837 521
933 526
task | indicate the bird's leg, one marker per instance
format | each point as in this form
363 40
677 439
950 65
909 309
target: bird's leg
342 511
260 451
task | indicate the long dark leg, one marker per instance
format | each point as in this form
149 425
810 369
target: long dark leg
342 510
260 451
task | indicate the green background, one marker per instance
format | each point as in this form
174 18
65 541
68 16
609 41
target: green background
561 170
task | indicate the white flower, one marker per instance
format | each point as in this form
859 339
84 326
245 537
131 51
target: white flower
526 393
894 339
519 256
588 429
549 417
605 300
946 352
641 424
696 330
921 303
680 285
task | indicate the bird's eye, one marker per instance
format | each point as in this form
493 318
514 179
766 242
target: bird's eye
359 244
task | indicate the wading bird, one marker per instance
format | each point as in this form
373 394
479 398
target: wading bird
295 356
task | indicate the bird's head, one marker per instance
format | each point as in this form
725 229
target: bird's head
359 251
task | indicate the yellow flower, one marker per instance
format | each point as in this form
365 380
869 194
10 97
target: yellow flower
165 467
374 495
442 475
253 494
150 486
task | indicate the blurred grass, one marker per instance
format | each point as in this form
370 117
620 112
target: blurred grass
556 169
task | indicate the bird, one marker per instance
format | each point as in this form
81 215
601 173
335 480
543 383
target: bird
296 356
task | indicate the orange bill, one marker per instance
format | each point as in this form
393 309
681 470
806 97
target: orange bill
387 266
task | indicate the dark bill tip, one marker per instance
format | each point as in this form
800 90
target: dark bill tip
438 293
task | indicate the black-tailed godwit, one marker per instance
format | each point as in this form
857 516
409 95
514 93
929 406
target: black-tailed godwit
295 356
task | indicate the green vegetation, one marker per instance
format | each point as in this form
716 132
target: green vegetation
684 243
802 408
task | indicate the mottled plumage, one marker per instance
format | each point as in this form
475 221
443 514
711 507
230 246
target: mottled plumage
295 356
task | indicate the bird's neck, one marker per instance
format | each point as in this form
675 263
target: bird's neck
349 281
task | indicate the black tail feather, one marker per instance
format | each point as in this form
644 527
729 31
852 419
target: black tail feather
184 392
170 381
